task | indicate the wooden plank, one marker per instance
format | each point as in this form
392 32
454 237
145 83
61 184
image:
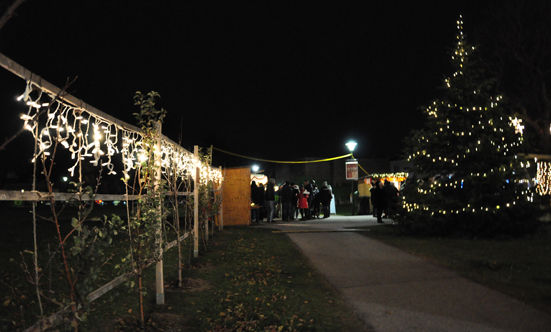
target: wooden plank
9 12
27 75
55 318
15 195
540 157
120 279
107 287
236 197
196 206
323 230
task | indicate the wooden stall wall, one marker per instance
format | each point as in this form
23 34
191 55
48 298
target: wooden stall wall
236 197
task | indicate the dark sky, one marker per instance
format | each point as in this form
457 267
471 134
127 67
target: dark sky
273 80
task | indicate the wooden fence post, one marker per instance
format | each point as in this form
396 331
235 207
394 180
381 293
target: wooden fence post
159 278
196 205
208 200
221 210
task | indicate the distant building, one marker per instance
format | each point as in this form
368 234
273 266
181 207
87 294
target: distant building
334 172
398 166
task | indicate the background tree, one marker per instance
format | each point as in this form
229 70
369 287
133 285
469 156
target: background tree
517 49
467 157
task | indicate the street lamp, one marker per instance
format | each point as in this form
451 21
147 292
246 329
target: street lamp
351 146
255 168
352 170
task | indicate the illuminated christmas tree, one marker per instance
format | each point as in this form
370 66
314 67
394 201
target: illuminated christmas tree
470 178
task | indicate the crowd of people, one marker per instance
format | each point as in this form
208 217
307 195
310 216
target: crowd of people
384 197
290 200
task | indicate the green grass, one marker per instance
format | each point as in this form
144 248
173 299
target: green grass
18 306
344 210
256 280
518 267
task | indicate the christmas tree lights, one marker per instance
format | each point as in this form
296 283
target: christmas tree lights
466 157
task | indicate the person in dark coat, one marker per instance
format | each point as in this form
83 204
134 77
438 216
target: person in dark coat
391 195
325 194
269 199
254 200
261 202
315 203
315 208
379 200
286 198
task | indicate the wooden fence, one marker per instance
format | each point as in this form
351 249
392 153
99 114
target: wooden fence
94 136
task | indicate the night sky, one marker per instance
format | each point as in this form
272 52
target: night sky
272 80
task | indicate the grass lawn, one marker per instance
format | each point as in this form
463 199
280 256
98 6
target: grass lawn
344 210
518 267
248 279
245 278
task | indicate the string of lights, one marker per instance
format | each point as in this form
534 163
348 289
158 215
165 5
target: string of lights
544 178
89 137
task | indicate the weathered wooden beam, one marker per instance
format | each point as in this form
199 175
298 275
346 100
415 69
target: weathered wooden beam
56 317
540 157
14 195
9 12
323 230
27 75
36 196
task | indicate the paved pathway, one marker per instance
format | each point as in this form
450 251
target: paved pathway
395 291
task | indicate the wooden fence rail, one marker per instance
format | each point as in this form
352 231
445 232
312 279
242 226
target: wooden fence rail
36 196
56 318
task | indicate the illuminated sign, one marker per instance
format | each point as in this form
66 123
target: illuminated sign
351 169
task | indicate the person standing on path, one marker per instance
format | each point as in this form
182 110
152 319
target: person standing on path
261 202
314 207
391 195
326 194
270 200
255 199
303 203
285 197
379 200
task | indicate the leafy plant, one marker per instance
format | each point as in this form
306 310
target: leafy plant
81 248
146 220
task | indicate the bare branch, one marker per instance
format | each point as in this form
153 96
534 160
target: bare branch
9 13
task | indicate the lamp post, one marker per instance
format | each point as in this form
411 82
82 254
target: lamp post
351 146
352 170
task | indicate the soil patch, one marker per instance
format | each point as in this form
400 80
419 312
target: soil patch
169 322
206 266
165 322
188 285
